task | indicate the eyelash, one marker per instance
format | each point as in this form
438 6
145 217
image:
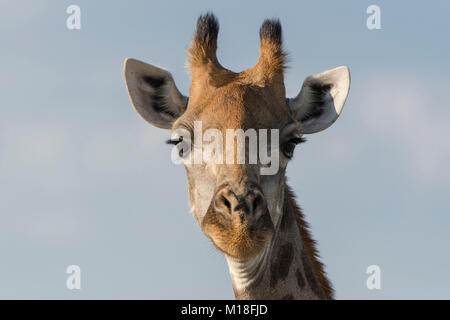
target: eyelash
298 140
174 142
293 140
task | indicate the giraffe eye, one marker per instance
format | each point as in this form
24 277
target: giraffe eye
289 147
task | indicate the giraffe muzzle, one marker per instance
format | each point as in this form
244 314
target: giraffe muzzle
244 207
238 220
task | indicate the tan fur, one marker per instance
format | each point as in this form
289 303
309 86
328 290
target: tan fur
269 68
207 73
252 99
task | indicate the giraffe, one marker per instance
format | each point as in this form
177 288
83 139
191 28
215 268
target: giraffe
252 218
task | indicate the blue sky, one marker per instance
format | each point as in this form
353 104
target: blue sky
85 181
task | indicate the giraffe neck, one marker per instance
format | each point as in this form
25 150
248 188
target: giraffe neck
282 270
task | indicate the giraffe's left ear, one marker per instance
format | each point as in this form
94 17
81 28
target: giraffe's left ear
321 100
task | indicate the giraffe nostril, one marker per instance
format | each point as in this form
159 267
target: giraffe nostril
226 203
257 204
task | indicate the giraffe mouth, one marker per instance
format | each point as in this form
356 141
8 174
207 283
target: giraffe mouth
239 232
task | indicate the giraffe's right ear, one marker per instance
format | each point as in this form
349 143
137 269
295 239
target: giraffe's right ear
153 93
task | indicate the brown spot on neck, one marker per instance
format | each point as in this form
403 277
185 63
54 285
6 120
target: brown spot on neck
279 268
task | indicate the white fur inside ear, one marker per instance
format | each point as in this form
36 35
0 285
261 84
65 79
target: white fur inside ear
340 78
321 100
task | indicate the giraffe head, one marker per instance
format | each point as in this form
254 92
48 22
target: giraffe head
236 203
